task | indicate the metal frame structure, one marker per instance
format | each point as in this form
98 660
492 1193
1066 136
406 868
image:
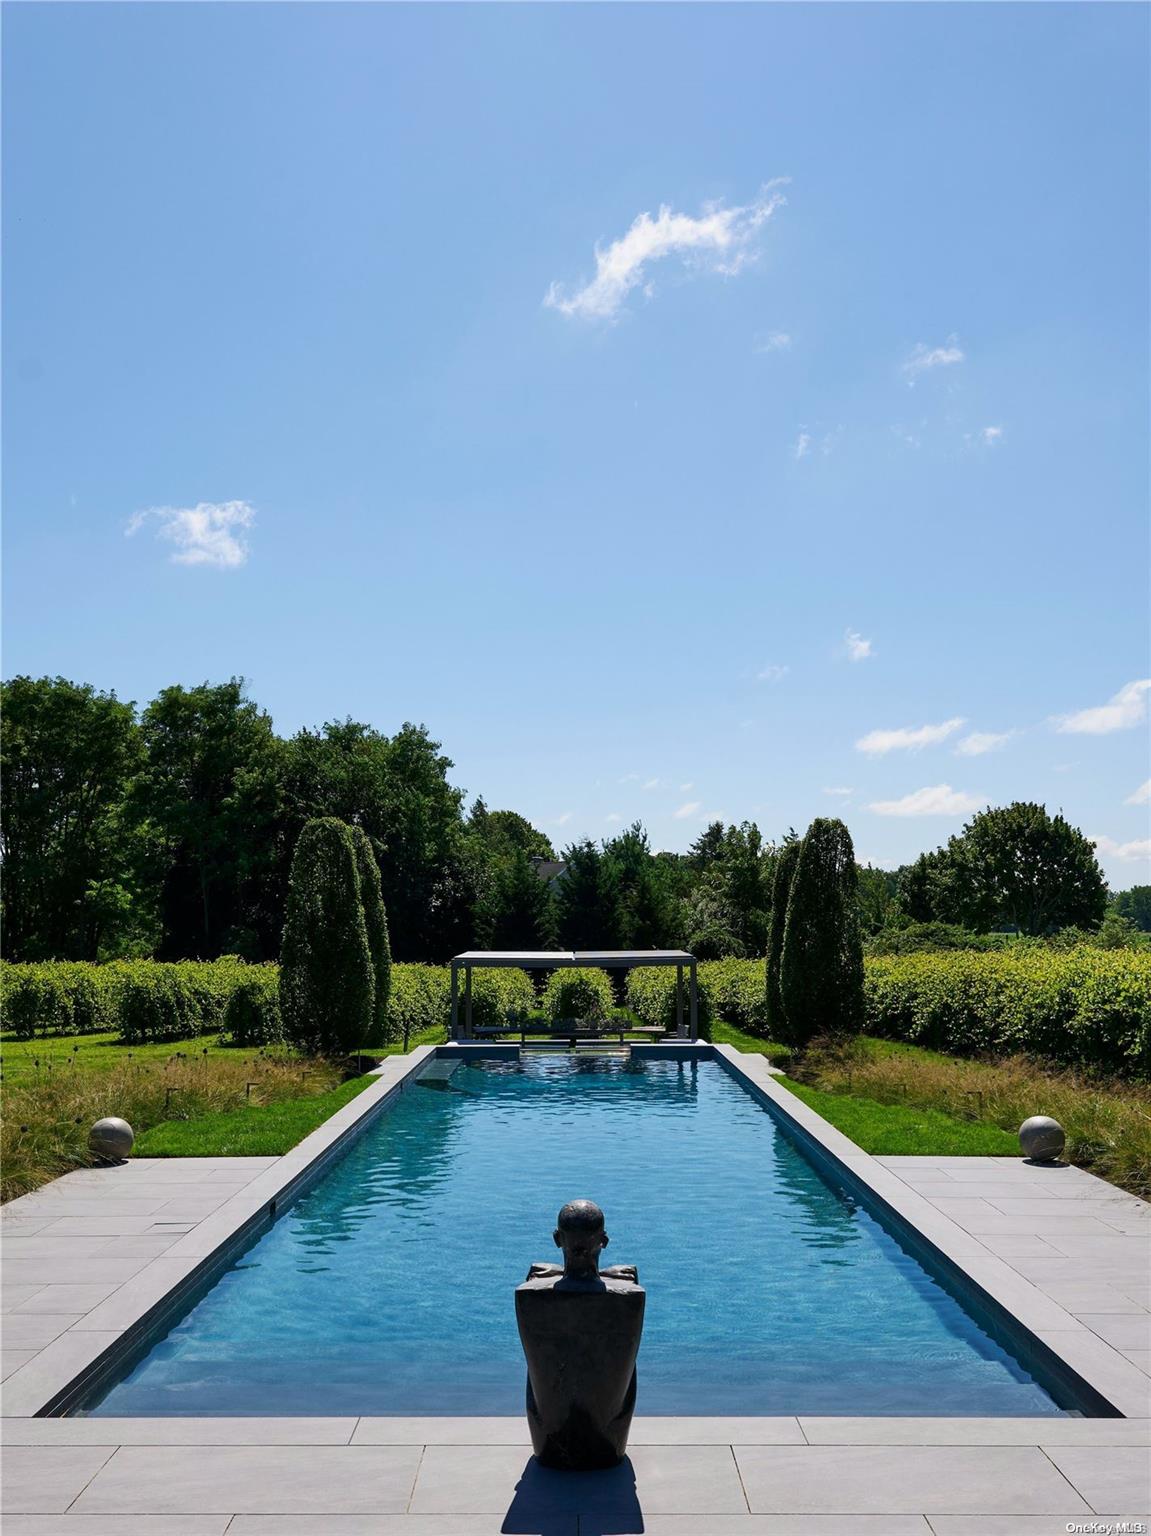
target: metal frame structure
603 959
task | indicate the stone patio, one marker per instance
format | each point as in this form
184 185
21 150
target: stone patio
88 1255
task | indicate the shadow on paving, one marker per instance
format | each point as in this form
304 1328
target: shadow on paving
546 1501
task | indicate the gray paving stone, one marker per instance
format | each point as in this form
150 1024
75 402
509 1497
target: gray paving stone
179 1431
25 1330
973 1431
443 1431
1107 1478
51 1369
254 1479
1123 1385
13 1296
116 1525
716 1431
45 1479
129 1302
1015 1525
493 1479
96 1202
1139 1357
392 1525
872 1479
766 1525
98 1268
1124 1331
1012 1245
65 1298
1090 1296
12 1360
96 1226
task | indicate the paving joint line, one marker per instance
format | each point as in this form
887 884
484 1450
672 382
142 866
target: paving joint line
739 1474
415 1479
113 1452
1043 1452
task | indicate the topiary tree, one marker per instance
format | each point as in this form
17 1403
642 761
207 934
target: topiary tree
780 891
327 989
376 923
821 969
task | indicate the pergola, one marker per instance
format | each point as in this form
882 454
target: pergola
606 959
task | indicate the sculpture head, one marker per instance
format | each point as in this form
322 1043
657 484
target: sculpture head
579 1232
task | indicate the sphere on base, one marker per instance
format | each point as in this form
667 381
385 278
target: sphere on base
1041 1138
111 1138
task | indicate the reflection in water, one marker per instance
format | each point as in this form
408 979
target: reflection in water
388 1288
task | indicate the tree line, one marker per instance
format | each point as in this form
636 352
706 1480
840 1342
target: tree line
169 831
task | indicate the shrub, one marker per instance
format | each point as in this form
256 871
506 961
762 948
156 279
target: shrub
419 1000
327 988
651 995
158 1003
581 993
780 891
917 937
821 969
499 996
252 1015
57 998
376 923
1086 1005
737 994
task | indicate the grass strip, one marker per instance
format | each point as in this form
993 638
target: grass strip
264 1130
900 1130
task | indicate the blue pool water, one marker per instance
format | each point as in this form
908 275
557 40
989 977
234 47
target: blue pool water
388 1288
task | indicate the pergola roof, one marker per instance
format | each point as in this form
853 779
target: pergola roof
531 959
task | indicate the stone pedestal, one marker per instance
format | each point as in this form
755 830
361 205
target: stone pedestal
581 1338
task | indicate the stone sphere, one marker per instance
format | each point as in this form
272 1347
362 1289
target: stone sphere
111 1138
1041 1138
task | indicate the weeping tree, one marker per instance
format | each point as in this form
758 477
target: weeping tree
327 985
376 923
780 891
821 969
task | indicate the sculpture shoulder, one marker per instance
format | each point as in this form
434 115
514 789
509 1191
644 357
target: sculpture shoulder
621 1272
544 1271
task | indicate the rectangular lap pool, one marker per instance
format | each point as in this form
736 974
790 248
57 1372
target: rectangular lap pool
387 1289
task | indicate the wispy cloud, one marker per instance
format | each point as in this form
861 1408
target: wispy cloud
563 818
991 435
689 808
923 358
613 816
839 789
858 649
935 800
630 778
653 784
772 672
1126 709
210 533
773 341
908 738
802 446
980 742
720 240
1140 796
685 787
1127 853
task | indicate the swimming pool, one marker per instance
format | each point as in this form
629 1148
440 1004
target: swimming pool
387 1288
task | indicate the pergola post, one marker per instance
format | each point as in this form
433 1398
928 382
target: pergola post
455 1000
679 1002
694 1004
467 1002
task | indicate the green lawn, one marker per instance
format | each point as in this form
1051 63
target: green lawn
60 1052
265 1130
899 1130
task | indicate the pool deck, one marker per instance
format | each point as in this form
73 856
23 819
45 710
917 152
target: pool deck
91 1253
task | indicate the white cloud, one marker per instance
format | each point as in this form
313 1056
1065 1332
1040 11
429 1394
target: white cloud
689 808
773 341
980 742
719 240
613 816
991 435
802 446
907 738
1126 853
689 785
936 800
1126 709
563 818
839 789
211 533
924 357
652 783
1141 795
858 649
629 778
772 672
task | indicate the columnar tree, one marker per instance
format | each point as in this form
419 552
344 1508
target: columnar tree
821 969
376 924
327 986
780 891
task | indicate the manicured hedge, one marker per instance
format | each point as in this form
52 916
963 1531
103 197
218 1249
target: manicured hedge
499 996
1085 1005
419 998
579 993
252 1015
58 998
651 994
736 993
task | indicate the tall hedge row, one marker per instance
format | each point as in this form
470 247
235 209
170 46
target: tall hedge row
579 992
651 995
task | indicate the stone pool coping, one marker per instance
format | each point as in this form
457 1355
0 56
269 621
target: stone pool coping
93 1254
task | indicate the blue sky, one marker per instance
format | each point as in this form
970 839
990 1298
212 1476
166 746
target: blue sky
349 349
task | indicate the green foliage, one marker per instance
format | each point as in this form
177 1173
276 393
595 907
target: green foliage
917 937
1135 905
327 986
582 993
1085 1005
255 1130
501 996
651 995
159 1002
587 899
376 924
736 993
57 998
821 969
252 1012
420 1000
780 893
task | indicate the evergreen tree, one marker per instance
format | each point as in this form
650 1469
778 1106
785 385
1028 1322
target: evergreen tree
780 891
376 923
587 900
821 969
327 989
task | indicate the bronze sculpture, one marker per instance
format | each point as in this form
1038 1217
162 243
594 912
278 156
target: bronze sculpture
580 1328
